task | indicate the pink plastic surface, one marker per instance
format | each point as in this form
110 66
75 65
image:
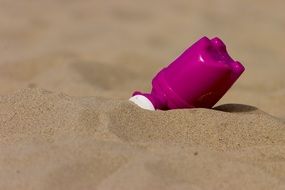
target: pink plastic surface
197 78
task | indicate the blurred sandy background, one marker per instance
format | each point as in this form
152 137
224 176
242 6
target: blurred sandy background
91 55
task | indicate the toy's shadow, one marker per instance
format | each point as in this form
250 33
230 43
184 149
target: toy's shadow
235 108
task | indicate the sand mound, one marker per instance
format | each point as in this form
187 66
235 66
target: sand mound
51 140
244 126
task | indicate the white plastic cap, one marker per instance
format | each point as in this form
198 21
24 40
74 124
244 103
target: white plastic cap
142 102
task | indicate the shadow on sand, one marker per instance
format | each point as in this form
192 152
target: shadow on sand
235 108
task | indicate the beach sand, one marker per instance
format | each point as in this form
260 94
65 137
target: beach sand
67 69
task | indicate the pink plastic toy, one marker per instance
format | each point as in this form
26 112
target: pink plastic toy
197 78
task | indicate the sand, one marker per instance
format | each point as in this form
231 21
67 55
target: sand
67 69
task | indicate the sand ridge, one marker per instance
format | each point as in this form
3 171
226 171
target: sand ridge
53 139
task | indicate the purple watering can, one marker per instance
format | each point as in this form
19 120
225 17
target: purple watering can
196 79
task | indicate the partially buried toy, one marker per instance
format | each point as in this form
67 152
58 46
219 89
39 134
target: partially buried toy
196 79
